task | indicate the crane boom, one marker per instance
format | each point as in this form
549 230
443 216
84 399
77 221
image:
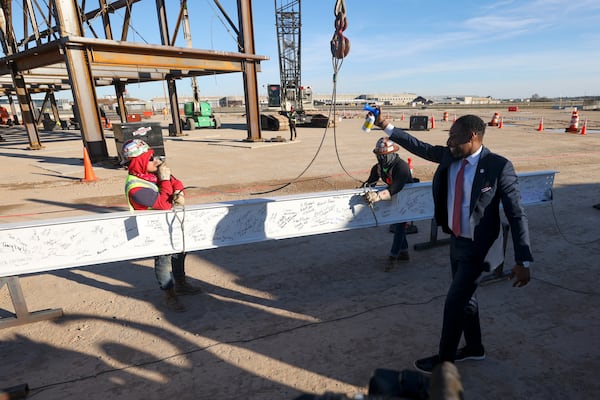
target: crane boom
290 92
288 23
187 34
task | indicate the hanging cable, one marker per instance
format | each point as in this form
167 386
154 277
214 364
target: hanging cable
235 38
301 173
340 47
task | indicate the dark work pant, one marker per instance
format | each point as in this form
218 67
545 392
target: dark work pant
169 267
400 243
460 316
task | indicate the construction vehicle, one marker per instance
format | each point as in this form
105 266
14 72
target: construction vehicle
199 117
198 114
290 93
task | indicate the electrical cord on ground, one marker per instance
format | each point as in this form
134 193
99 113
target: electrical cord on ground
38 390
560 232
534 278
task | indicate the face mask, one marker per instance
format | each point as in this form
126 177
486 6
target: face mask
386 160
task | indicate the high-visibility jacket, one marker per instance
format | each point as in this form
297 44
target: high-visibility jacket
133 182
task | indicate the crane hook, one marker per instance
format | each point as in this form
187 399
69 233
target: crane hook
340 44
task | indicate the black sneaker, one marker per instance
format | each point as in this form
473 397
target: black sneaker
466 353
426 365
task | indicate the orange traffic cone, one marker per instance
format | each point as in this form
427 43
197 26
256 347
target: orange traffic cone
89 175
574 125
501 123
432 122
494 121
410 166
541 125
402 117
584 128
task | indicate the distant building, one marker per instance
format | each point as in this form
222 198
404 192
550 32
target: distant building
591 104
480 100
355 100
420 100
231 101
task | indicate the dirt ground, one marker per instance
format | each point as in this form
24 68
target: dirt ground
311 314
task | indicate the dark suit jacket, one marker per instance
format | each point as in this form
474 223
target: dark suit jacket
495 181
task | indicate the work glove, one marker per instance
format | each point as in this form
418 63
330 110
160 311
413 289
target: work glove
164 172
178 198
371 197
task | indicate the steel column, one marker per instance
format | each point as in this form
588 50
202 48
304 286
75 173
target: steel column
54 107
177 128
13 109
174 101
82 82
23 97
246 40
27 111
119 90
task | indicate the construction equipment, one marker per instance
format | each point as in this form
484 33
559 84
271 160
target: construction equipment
199 117
290 93
197 114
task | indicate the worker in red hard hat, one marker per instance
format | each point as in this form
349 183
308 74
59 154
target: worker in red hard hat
150 186
395 172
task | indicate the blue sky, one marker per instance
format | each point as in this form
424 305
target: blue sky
504 49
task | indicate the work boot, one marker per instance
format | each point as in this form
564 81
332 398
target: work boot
403 256
183 287
172 302
390 264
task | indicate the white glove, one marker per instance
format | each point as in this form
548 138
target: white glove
164 172
372 197
178 198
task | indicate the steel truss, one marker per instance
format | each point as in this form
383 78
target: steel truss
61 57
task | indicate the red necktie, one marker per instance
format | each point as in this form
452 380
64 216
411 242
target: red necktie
458 195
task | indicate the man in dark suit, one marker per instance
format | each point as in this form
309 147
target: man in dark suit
471 215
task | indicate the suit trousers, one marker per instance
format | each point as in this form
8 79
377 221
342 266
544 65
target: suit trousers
461 315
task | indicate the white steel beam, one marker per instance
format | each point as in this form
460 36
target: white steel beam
75 242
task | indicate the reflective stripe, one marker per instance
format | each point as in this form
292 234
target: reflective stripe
133 182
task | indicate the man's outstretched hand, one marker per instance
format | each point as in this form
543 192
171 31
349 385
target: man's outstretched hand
379 120
521 274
